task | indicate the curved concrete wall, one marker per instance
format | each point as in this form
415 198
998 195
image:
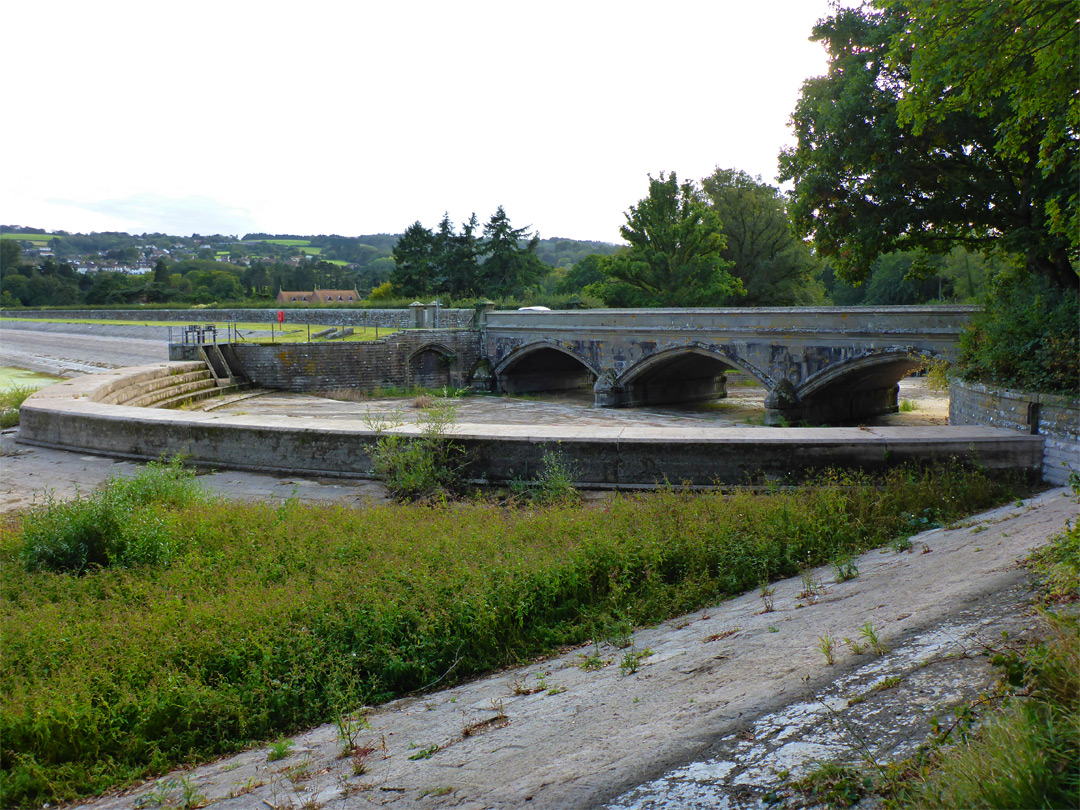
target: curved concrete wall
1055 418
71 415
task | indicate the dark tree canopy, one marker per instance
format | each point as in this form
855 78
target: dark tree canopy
675 256
868 182
413 261
510 265
775 268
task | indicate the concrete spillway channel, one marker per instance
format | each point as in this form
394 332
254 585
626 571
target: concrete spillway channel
86 415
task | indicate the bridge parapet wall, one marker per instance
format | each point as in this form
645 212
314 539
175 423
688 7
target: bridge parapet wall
817 363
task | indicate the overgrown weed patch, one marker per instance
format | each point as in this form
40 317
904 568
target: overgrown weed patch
274 618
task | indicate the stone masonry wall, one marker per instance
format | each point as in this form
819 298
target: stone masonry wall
396 318
395 361
1055 418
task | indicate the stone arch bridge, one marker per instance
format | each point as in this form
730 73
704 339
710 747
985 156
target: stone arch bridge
816 364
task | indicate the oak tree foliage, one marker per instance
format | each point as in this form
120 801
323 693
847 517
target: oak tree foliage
884 161
775 267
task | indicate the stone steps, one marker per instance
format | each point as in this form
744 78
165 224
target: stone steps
168 387
147 392
212 391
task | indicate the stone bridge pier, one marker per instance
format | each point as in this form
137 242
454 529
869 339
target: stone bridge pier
818 365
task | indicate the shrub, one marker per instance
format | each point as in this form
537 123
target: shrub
10 400
121 524
553 484
428 466
1025 337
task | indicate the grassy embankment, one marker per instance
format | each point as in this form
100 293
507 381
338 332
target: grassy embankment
212 627
253 332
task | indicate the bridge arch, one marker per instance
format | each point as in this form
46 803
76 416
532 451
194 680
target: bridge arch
430 365
683 373
543 365
861 386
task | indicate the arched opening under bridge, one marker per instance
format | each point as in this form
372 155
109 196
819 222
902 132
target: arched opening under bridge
854 391
543 367
680 375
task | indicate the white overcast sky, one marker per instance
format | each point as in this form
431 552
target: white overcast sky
361 117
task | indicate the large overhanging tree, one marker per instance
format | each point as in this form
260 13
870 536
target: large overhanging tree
926 133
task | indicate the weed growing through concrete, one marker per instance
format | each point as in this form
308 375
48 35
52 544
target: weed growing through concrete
855 647
553 484
766 592
812 588
890 682
182 794
870 635
279 749
426 467
632 658
349 729
828 649
424 753
591 663
521 688
845 567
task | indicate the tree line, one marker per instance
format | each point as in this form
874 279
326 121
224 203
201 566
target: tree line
936 158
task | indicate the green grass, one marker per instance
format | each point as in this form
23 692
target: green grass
16 385
311 251
292 333
119 525
287 242
270 618
11 399
42 238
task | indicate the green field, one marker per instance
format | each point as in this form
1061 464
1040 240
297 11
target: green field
37 238
311 251
292 333
287 242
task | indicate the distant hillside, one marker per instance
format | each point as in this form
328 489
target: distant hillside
359 250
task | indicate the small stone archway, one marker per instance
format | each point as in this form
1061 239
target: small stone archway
860 387
431 366
684 373
543 365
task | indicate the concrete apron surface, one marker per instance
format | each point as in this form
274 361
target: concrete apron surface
725 703
71 416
